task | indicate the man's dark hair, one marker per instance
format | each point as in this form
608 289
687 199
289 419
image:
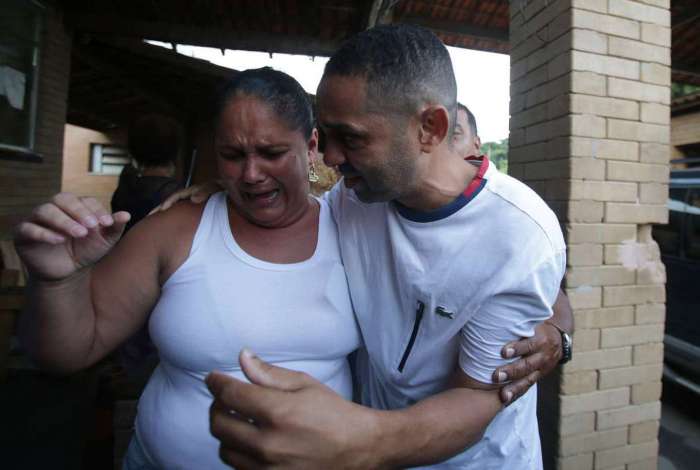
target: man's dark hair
154 140
471 119
280 91
404 66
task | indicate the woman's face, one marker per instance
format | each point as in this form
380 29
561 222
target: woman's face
263 163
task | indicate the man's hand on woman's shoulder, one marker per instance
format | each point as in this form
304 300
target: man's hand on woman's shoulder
197 194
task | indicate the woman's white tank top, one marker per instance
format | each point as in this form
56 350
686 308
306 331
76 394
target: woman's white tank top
221 299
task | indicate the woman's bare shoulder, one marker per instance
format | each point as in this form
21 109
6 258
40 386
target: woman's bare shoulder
180 219
168 235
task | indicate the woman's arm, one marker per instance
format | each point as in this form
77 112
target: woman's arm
87 293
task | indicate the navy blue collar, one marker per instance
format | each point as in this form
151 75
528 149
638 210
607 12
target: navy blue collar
475 186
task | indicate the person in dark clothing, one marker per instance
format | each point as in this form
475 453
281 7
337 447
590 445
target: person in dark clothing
154 143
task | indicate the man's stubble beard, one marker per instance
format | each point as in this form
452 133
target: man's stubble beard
393 180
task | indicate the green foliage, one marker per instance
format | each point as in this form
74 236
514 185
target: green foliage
498 154
682 89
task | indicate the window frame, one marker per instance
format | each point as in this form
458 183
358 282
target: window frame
94 146
28 153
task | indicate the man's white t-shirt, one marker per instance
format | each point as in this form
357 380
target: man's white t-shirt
447 287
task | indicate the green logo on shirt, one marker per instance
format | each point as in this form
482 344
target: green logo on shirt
444 313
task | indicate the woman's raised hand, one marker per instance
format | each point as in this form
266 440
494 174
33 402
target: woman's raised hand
66 235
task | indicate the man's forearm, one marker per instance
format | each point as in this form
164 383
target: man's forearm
435 428
563 315
58 323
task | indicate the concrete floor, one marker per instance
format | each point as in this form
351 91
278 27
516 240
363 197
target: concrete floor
679 436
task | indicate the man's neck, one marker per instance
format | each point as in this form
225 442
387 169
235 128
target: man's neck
442 178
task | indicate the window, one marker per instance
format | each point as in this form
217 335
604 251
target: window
669 236
692 250
108 159
20 29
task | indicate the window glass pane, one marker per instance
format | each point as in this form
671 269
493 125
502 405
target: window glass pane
108 159
692 250
678 194
19 33
669 236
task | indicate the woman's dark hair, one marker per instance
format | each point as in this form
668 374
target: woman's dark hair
280 91
154 140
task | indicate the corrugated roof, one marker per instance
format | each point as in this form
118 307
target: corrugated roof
471 24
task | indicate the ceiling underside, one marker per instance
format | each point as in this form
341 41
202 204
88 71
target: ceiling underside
109 33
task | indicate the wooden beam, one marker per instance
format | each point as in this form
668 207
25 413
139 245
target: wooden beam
454 27
684 18
373 13
218 38
138 47
119 74
381 12
82 116
685 69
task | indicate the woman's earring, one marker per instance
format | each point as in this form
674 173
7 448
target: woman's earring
313 176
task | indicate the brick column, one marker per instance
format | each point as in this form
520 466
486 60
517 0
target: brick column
589 131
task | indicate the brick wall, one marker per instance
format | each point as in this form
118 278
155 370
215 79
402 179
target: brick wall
23 185
590 95
77 178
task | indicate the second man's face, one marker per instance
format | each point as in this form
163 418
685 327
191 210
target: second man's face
465 143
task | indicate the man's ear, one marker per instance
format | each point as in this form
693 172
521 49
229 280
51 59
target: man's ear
434 127
477 145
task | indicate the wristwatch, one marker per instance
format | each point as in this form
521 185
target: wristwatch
566 343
